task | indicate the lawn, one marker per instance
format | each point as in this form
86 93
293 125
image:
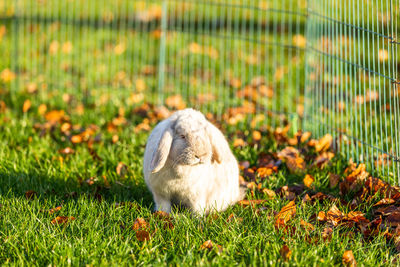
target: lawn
76 108
98 181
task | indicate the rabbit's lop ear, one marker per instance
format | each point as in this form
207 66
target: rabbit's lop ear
161 153
219 145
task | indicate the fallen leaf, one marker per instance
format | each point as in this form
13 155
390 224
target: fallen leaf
384 201
286 213
76 139
30 194
239 142
26 106
333 180
142 235
54 115
264 172
327 233
306 226
208 245
324 143
308 181
53 210
122 169
246 203
256 135
268 192
140 223
62 219
285 252
348 259
7 75
175 102
296 165
66 151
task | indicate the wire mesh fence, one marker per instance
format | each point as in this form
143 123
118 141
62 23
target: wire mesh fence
330 64
351 75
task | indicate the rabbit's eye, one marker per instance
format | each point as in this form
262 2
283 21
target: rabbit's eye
182 136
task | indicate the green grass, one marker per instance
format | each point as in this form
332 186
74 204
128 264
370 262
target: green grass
88 75
101 234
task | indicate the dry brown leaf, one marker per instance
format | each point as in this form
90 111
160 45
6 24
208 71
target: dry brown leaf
383 55
62 219
122 169
26 106
208 245
7 75
321 217
299 40
253 202
286 213
333 180
142 235
42 109
76 139
239 142
140 223
268 192
285 252
264 172
348 259
324 143
256 135
30 194
55 115
66 151
327 233
306 225
296 165
308 181
384 201
175 102
53 210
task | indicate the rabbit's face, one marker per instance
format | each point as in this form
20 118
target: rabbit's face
191 144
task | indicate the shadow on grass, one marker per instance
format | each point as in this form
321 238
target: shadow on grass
44 188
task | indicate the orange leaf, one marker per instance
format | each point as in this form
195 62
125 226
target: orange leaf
286 213
207 245
256 135
264 172
27 105
384 201
51 211
140 223
306 226
348 259
268 192
62 219
308 181
246 203
54 115
295 165
285 252
324 143
175 102
238 142
76 139
321 216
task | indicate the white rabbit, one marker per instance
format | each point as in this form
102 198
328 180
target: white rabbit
187 161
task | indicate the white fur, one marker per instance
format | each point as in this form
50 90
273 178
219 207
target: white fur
187 159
